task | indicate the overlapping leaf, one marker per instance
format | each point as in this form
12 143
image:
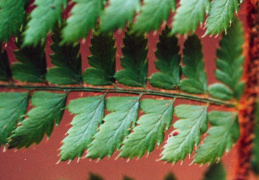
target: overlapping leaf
191 12
102 61
43 19
12 108
5 71
117 125
134 62
118 13
67 60
83 19
40 120
168 59
222 135
190 127
152 14
150 129
215 171
12 16
196 78
229 65
32 63
89 115
221 15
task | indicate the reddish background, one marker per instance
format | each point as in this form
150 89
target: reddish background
39 161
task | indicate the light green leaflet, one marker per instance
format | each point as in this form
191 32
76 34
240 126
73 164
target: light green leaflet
150 130
118 13
102 61
229 65
221 15
134 62
116 126
12 108
168 62
12 16
215 171
49 108
196 78
189 15
67 60
191 125
83 19
43 19
153 12
222 135
89 115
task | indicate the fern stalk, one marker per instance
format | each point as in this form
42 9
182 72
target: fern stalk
122 90
251 93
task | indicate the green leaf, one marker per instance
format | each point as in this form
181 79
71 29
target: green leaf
230 59
134 62
127 178
191 12
49 108
12 16
89 115
83 19
150 129
196 78
215 171
12 108
32 63
152 14
168 62
222 135
221 15
220 91
102 61
67 60
118 13
5 71
117 125
43 19
191 125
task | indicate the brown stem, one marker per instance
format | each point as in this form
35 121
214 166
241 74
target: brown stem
248 102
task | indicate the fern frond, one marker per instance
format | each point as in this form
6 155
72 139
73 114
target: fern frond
12 17
221 15
168 62
102 61
49 108
83 19
152 14
67 60
190 127
230 65
189 15
116 126
43 19
134 62
89 115
196 81
118 13
215 171
222 135
32 63
12 108
150 130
